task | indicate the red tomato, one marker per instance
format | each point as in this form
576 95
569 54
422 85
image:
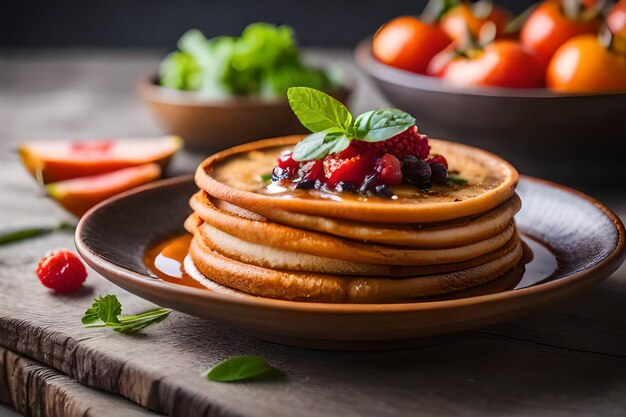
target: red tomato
408 43
583 64
441 60
456 22
616 19
503 63
547 28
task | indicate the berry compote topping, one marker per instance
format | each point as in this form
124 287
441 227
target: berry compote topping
367 154
369 168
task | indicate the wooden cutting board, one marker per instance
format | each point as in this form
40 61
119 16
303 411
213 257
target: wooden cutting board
34 389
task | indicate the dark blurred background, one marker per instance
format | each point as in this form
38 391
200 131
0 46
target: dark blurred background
159 23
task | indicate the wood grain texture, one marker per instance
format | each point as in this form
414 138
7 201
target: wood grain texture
567 361
33 389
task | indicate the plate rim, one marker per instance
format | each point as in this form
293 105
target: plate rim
611 263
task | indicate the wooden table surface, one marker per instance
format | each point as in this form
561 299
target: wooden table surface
569 360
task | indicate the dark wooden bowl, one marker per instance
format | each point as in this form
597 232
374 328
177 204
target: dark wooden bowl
220 124
575 138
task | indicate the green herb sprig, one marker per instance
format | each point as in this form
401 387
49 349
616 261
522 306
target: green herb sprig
456 179
243 368
14 235
334 127
107 312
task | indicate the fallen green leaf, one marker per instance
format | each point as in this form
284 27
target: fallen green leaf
243 368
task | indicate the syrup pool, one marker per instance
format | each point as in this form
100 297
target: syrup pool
165 260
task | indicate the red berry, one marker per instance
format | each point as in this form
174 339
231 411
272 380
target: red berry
409 142
286 161
312 170
61 271
389 170
434 159
352 169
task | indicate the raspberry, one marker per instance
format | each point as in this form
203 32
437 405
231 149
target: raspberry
434 159
409 142
61 271
389 170
351 169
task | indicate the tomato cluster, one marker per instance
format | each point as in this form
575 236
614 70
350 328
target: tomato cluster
566 45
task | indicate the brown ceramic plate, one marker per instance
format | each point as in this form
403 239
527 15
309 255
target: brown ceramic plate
219 124
586 244
540 131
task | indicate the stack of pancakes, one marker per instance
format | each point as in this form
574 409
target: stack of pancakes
275 242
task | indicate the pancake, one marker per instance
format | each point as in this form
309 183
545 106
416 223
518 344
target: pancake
306 286
268 257
319 244
234 176
508 281
429 235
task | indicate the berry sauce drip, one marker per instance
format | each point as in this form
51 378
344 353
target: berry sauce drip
368 168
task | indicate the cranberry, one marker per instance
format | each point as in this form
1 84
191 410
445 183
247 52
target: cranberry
437 159
389 170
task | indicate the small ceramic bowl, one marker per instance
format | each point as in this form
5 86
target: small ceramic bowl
219 124
573 138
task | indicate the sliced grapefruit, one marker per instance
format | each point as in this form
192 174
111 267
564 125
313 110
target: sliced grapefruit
80 194
52 161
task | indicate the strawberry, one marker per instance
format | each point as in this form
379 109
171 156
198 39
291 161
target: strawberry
286 161
347 167
409 142
312 170
61 271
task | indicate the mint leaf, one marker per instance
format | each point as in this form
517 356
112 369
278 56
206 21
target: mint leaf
455 179
103 310
266 178
91 315
133 324
318 111
106 312
242 368
332 124
318 145
379 125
